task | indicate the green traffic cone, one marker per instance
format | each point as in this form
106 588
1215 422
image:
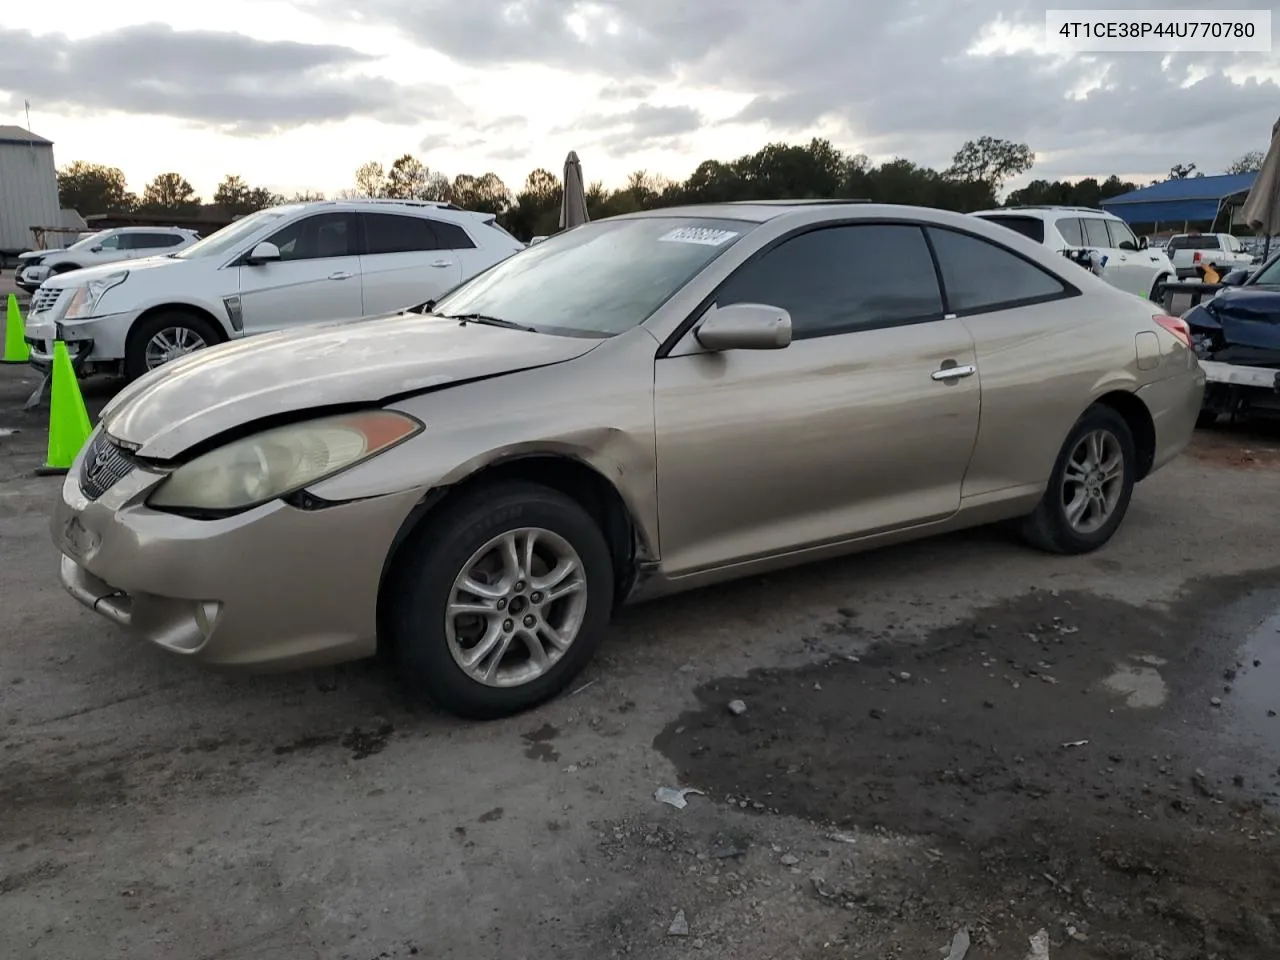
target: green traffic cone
15 336
68 419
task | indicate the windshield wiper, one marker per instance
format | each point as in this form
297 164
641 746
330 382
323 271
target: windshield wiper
487 320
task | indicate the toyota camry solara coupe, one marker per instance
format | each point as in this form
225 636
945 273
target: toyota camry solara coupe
633 407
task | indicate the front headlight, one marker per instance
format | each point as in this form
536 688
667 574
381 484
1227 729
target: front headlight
277 462
87 296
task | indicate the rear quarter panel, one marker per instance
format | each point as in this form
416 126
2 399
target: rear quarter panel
1040 368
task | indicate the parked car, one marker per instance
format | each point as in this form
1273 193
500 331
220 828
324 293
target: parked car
278 268
105 246
1222 251
1236 335
1124 260
637 406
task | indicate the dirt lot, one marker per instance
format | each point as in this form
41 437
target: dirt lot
954 734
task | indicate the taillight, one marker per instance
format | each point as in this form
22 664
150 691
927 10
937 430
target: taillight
1175 325
1196 257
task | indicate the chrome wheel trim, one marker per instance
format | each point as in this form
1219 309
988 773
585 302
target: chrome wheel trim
1093 481
170 343
516 607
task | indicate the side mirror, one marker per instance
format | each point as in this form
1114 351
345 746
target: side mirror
1235 278
744 326
263 253
97 248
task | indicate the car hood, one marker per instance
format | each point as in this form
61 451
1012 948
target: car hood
209 392
75 278
1241 325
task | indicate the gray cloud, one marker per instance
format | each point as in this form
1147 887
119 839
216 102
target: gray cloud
643 126
224 80
895 76
625 91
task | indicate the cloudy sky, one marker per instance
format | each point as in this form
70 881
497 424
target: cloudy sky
295 94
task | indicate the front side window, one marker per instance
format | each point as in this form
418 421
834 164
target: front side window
980 276
92 240
1121 236
840 279
320 237
599 279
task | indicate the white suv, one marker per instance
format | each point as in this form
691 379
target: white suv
1126 261
279 268
105 246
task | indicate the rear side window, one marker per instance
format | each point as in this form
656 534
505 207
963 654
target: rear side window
979 276
840 279
1095 232
389 233
1030 227
149 241
452 236
1071 231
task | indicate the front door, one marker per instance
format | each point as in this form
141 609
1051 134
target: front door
316 279
849 431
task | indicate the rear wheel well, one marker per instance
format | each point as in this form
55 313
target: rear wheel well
571 477
1143 428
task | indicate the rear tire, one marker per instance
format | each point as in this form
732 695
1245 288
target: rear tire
186 331
1090 487
439 650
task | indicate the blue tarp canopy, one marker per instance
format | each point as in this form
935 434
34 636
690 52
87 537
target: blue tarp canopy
1176 201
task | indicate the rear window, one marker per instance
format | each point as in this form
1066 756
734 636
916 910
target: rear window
1198 242
1030 227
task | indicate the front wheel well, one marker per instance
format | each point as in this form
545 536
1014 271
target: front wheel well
186 308
1143 428
571 477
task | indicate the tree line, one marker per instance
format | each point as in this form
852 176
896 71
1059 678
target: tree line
816 170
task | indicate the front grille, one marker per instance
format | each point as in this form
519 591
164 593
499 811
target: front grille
103 467
44 299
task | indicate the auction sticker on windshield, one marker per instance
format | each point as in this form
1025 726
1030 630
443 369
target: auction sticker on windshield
703 235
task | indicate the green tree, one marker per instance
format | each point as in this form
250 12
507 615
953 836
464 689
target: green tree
1250 162
92 188
408 179
990 160
170 193
236 198
371 181
485 193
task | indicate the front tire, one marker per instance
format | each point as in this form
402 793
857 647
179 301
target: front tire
165 336
1090 487
494 607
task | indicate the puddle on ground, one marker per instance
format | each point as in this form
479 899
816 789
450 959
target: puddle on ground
1142 687
1254 704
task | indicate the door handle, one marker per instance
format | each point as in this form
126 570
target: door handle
442 263
340 275
955 372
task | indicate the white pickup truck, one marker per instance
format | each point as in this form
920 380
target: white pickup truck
1221 250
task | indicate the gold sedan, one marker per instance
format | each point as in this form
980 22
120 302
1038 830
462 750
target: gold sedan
633 407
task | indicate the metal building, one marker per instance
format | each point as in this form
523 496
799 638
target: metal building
28 189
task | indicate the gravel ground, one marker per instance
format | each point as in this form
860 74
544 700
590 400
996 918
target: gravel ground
901 770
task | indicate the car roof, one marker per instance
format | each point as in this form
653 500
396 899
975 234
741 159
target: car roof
1045 209
145 229
762 211
440 209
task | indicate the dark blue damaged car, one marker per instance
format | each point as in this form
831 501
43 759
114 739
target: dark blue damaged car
1236 336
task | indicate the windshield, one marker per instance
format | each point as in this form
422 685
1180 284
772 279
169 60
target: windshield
1267 275
89 241
596 280
221 241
